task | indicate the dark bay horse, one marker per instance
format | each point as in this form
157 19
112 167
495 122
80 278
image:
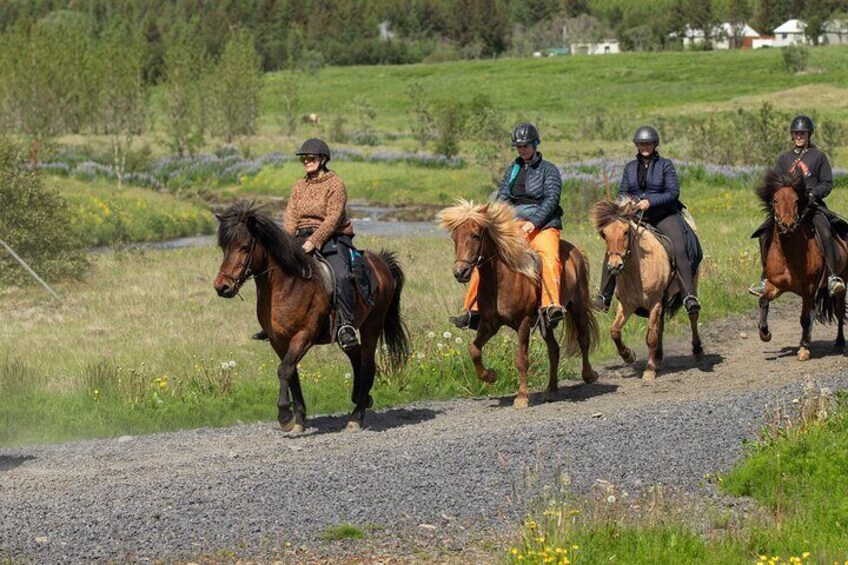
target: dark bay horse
294 308
794 261
645 281
486 238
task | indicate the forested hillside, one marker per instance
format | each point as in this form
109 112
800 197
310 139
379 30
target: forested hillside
304 33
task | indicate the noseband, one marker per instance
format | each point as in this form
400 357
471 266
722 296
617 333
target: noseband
799 217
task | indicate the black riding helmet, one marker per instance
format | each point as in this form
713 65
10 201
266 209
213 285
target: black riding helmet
525 134
315 146
802 123
646 134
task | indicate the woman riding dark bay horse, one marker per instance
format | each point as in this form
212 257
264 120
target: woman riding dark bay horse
294 307
793 260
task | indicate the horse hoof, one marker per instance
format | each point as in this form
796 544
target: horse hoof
649 375
628 356
489 376
353 426
291 426
590 378
803 354
550 396
298 429
521 402
765 335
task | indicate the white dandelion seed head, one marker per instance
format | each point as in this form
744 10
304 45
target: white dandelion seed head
446 335
419 355
458 340
431 335
611 499
232 364
440 345
225 366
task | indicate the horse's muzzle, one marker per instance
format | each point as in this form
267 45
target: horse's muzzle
463 274
225 286
615 269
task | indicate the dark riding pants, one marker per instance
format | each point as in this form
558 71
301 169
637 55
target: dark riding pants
672 227
337 251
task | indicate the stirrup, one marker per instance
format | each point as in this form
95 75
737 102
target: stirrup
758 288
554 313
347 337
692 304
468 320
602 303
835 285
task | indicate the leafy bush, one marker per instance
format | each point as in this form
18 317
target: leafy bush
35 222
796 58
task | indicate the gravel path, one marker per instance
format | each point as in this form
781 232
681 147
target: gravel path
438 472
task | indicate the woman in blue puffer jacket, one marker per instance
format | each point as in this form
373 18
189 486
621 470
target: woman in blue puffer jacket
652 180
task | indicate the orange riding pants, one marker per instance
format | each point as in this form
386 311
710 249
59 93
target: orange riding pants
546 243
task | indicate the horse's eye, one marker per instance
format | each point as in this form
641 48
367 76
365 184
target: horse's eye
476 237
245 248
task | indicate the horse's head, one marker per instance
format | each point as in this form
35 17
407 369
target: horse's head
466 223
783 196
615 224
242 252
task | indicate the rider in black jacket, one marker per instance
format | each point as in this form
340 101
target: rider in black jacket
806 160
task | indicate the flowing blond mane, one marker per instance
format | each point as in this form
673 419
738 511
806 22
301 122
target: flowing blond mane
499 222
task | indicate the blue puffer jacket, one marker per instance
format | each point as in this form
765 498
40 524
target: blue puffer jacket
543 186
662 188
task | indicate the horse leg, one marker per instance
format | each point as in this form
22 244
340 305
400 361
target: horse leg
770 294
654 339
615 333
553 366
697 347
839 346
484 333
522 362
363 380
806 327
584 340
287 374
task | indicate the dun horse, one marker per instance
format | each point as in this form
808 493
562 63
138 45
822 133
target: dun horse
294 307
794 261
645 281
486 238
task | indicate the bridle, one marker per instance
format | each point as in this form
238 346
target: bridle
628 249
479 259
786 229
245 269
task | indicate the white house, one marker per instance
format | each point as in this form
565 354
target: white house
723 36
608 46
790 32
835 32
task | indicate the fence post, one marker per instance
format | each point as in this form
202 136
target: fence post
30 271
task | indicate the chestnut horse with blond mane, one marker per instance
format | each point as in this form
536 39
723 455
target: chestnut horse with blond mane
294 307
645 280
794 261
486 238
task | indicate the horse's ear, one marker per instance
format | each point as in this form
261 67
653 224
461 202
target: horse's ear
484 208
252 224
219 216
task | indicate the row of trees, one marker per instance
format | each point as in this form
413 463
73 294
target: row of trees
61 76
291 33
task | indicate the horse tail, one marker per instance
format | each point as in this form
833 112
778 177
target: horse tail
394 333
581 311
824 307
672 305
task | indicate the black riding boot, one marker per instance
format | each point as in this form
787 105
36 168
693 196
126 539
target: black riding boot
345 293
604 298
672 227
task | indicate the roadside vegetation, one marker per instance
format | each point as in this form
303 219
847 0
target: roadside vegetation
791 473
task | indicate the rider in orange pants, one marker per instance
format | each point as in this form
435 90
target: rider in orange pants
533 186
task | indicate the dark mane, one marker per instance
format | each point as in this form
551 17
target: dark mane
243 219
605 212
773 181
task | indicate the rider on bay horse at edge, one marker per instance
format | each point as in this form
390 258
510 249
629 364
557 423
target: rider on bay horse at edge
533 186
806 160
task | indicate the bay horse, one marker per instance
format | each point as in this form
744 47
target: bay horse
646 283
794 261
486 238
294 307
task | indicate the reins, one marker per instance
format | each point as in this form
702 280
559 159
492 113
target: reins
246 274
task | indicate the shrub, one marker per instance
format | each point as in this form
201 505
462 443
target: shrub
796 58
35 222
